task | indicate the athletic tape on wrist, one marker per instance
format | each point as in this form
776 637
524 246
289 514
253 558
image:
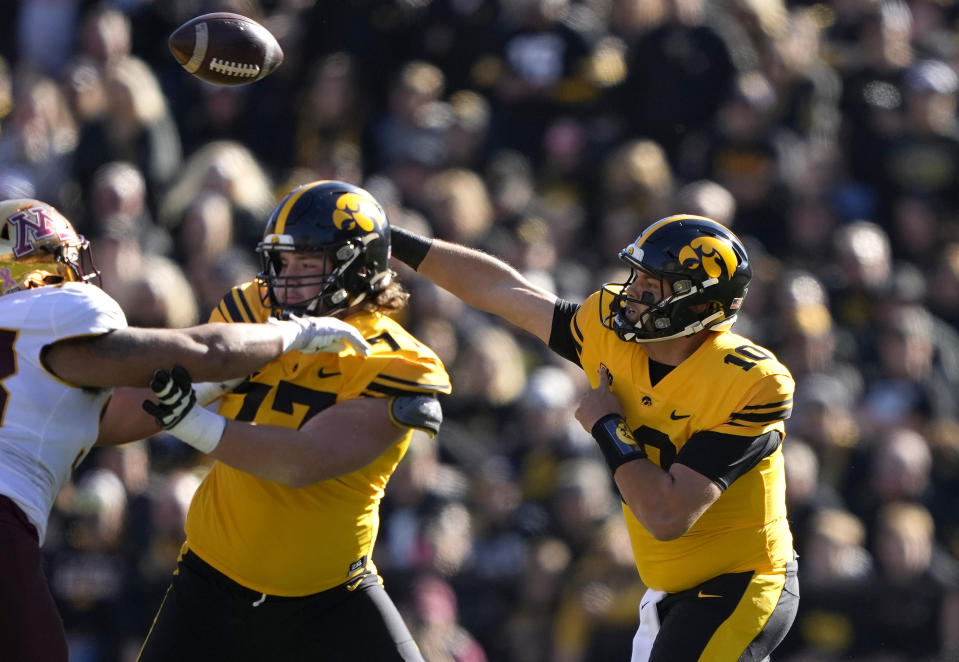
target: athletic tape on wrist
616 441
201 429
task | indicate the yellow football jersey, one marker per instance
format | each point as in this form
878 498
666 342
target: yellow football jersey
731 386
297 541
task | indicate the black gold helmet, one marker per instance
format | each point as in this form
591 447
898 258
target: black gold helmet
39 246
708 271
340 222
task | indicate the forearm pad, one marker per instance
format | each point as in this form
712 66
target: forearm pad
616 441
409 247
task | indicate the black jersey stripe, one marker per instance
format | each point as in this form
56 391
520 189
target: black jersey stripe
578 331
769 417
232 312
373 387
770 405
246 306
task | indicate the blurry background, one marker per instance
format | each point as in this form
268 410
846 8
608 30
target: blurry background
549 132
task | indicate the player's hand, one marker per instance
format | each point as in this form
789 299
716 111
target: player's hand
319 334
177 411
174 390
598 402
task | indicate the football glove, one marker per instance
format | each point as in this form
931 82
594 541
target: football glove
319 334
178 413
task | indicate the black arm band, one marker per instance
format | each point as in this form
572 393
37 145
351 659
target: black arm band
409 247
616 441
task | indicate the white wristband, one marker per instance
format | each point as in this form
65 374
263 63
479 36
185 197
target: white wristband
200 428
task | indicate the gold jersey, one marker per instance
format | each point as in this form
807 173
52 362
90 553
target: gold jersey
296 541
729 386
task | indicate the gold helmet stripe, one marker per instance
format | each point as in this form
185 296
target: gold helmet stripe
666 221
284 211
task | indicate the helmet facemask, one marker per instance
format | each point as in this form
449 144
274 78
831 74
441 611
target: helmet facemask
349 282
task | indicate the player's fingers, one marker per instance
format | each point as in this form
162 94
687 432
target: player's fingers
162 384
604 378
152 409
358 342
181 377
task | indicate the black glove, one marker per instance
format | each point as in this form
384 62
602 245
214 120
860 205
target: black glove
175 391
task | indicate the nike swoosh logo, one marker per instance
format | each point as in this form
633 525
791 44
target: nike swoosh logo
676 417
707 595
322 374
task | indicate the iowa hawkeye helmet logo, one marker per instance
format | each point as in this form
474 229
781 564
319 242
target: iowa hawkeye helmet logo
715 256
354 210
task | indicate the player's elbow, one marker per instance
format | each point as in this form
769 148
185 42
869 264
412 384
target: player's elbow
297 475
665 533
665 526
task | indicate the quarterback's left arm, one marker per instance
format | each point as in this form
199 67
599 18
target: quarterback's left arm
668 502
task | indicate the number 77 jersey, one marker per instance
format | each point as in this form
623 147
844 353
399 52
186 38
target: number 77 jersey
712 412
295 541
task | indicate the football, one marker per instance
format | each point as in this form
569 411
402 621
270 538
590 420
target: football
225 49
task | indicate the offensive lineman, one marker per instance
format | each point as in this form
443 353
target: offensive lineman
277 563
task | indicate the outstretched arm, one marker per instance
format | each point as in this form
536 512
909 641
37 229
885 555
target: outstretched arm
212 352
479 279
128 358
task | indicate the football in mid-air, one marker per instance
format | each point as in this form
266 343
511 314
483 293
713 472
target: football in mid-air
225 49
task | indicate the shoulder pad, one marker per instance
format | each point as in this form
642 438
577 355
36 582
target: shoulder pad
421 411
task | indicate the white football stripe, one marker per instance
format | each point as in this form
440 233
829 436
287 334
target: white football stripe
201 39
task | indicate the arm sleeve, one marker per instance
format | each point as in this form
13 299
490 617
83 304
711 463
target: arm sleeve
564 337
753 431
725 457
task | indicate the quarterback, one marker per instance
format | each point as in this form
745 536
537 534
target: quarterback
64 347
277 563
689 417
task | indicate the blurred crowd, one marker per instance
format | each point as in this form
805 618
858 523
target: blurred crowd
548 132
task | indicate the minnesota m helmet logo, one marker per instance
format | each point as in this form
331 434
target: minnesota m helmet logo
715 256
37 223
